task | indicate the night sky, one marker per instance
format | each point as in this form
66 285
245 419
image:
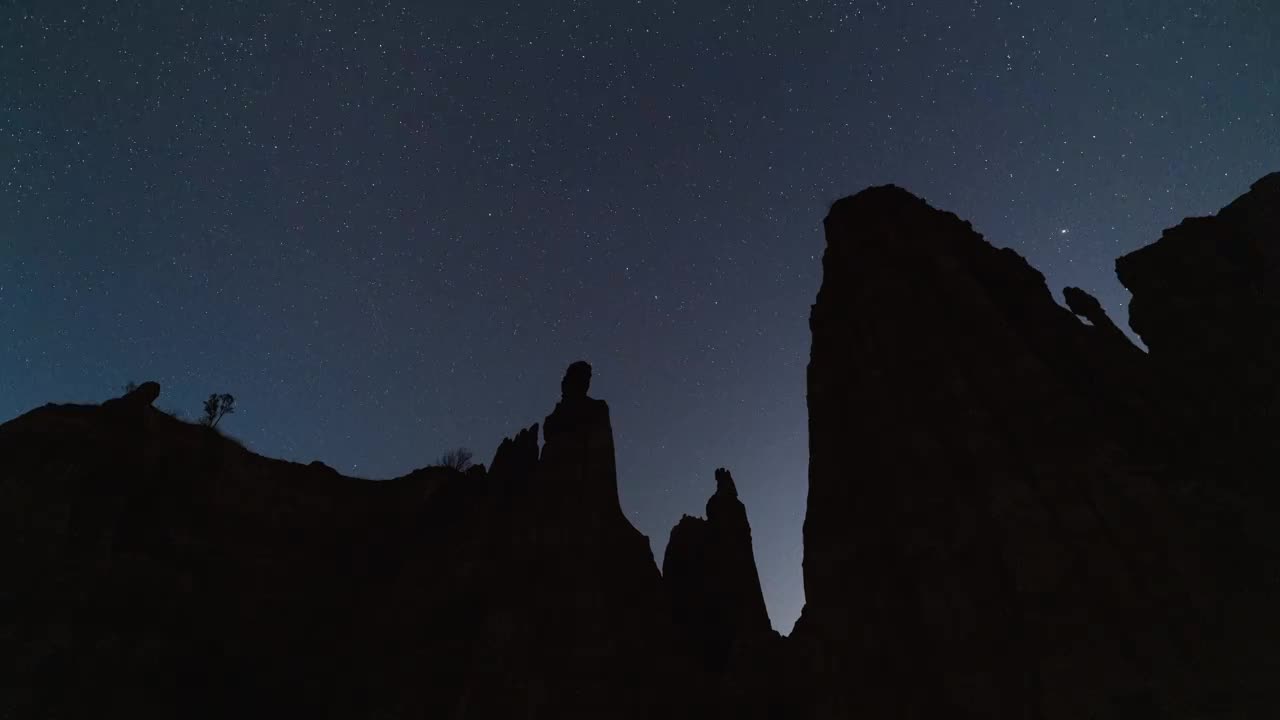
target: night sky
387 228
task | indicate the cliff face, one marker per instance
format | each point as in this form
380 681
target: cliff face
991 527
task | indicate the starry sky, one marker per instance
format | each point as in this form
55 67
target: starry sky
388 227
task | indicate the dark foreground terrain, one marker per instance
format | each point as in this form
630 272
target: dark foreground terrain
1014 512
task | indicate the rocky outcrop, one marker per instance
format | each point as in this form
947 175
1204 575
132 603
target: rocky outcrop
710 573
985 536
145 394
577 453
1087 306
1206 301
516 457
135 399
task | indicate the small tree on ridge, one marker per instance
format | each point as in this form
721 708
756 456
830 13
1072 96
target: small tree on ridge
459 459
217 407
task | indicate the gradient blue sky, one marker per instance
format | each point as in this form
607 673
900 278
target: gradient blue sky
388 227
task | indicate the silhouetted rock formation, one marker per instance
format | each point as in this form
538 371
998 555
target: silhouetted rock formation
1013 513
536 595
710 572
1206 301
156 569
136 400
578 448
516 457
1087 306
320 465
985 537
144 394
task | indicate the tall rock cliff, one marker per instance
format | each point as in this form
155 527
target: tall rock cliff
989 532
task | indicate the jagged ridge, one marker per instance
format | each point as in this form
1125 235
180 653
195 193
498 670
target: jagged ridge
1013 513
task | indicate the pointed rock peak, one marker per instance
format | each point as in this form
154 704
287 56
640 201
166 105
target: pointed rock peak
518 456
724 483
576 410
576 382
577 444
724 507
710 572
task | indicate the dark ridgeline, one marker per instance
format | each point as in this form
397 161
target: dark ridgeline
1013 513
